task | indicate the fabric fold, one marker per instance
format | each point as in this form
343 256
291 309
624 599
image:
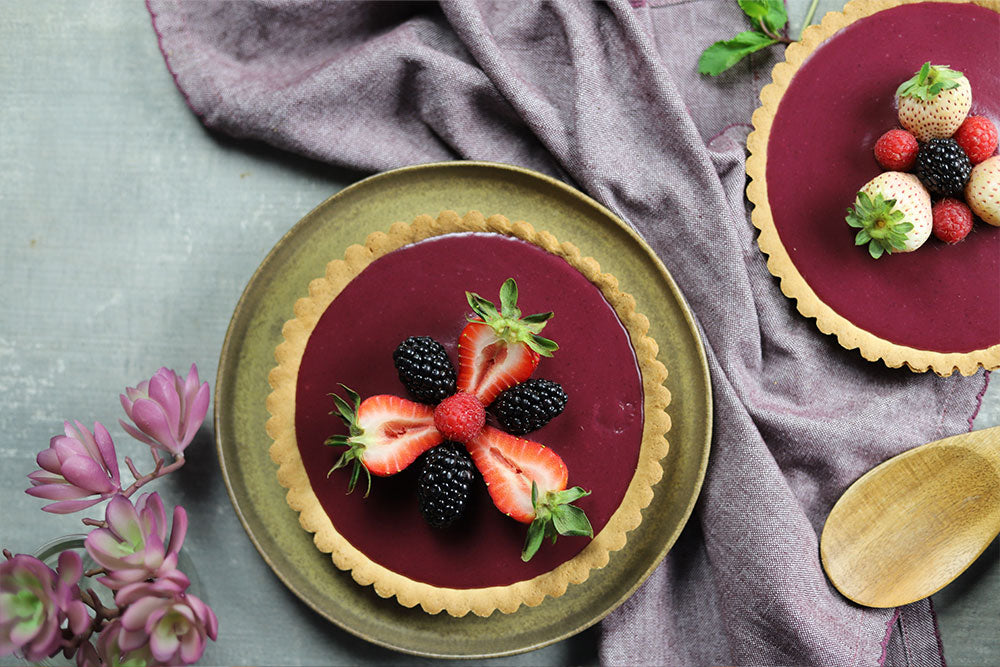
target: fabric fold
607 97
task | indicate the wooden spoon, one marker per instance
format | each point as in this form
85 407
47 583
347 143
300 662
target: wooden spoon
908 527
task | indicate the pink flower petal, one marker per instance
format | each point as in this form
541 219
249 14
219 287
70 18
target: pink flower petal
178 530
139 611
70 567
151 420
196 412
192 647
70 506
163 390
205 615
57 491
44 477
48 459
66 447
130 640
87 474
78 616
137 434
124 521
87 438
163 643
107 448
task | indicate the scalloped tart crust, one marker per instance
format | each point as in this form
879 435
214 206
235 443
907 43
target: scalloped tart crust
412 281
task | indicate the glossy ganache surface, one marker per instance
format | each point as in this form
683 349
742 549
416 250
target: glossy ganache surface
419 290
940 298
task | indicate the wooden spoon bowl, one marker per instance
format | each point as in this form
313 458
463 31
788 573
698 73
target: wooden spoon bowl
911 525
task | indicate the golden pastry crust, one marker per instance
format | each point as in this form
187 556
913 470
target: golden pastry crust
409 593
780 264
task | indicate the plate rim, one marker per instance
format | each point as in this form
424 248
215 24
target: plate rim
779 263
243 511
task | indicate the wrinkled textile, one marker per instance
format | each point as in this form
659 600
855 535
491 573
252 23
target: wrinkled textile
607 97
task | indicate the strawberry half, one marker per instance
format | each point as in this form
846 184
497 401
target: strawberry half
386 434
498 348
527 482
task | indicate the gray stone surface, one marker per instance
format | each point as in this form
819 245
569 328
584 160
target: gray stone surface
128 234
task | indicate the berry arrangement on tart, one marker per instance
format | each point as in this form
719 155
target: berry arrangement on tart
498 351
887 111
436 443
940 142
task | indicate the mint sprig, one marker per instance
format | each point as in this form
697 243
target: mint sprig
769 19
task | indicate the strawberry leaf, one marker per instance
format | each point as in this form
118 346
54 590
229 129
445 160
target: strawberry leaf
555 516
927 83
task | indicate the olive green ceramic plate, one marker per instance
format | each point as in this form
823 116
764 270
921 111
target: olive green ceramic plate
247 356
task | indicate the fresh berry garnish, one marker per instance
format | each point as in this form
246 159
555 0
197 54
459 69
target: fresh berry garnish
528 406
896 150
443 486
425 369
460 417
943 167
952 220
934 102
385 434
527 482
892 213
982 193
978 138
498 348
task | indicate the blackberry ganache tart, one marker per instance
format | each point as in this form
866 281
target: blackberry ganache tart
811 150
468 414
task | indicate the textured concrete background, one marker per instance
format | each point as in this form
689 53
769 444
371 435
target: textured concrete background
128 234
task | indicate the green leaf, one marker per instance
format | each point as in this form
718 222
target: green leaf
536 533
542 346
508 299
769 12
875 249
722 55
862 238
571 520
929 81
567 496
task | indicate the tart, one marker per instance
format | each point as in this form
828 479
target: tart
411 281
811 151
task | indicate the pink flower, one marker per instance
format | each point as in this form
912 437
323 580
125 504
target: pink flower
166 410
36 601
75 466
134 546
110 653
175 624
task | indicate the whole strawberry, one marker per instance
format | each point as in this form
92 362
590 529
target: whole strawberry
982 192
977 136
892 213
952 220
896 150
934 103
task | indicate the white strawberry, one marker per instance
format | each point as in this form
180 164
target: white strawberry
933 104
982 192
892 213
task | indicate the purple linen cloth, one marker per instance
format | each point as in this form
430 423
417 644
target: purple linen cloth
607 98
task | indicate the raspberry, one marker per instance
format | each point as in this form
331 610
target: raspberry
528 406
460 417
424 369
952 220
978 138
943 167
896 150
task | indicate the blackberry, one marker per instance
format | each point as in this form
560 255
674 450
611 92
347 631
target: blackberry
425 369
943 167
443 486
528 406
